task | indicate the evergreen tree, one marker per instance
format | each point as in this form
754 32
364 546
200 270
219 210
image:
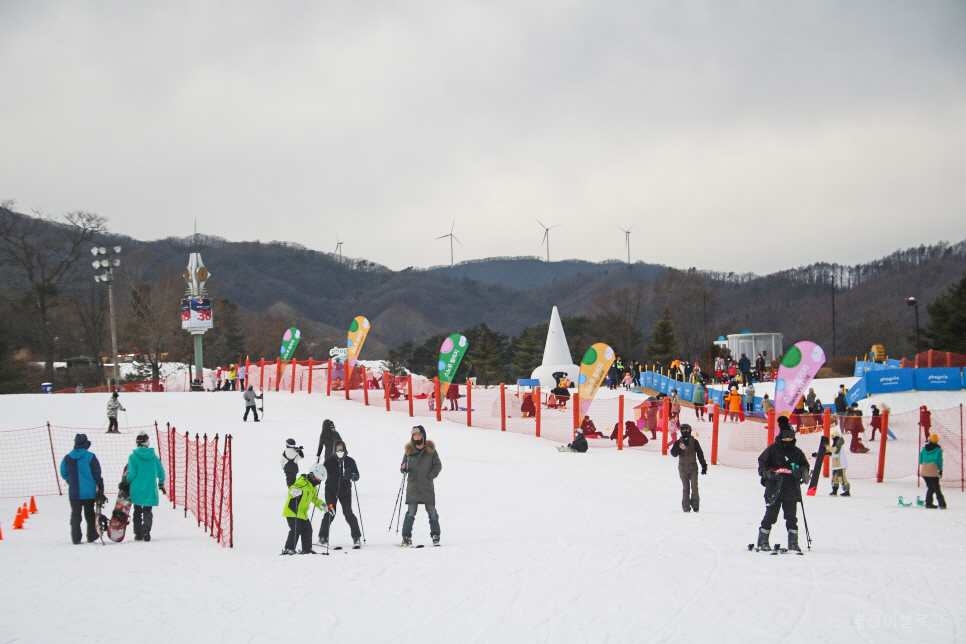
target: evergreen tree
663 346
486 354
527 351
947 320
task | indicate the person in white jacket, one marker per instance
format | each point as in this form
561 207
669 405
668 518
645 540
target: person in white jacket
290 461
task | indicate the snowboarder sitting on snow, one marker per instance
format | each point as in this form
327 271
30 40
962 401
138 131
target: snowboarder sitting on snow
579 444
145 475
528 409
82 471
689 454
421 464
634 436
783 468
291 456
588 428
250 396
341 471
300 496
838 463
112 406
327 440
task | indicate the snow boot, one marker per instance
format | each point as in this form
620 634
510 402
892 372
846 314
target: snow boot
322 542
138 537
435 539
793 541
846 491
763 539
407 542
835 491
357 543
146 536
288 551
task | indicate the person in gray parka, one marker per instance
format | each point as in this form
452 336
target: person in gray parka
250 398
422 464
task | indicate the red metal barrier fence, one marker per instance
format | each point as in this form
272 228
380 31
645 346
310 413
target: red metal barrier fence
200 480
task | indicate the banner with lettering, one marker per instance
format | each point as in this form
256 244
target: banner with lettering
450 355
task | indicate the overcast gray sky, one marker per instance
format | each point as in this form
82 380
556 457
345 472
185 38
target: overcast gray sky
745 136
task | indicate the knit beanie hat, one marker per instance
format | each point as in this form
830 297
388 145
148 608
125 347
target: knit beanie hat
934 438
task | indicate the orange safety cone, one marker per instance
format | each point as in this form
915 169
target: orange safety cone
33 506
18 522
1 532
25 512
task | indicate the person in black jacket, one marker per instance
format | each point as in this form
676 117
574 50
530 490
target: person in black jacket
744 366
689 454
341 471
783 468
327 439
579 444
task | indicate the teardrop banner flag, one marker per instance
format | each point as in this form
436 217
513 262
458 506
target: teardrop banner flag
290 340
796 371
593 367
358 331
450 355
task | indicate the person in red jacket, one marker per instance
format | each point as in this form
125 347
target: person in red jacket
589 429
453 396
925 421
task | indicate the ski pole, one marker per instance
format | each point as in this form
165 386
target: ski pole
402 502
398 496
362 525
808 537
127 423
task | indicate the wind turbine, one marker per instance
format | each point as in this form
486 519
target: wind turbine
451 238
338 247
546 235
627 242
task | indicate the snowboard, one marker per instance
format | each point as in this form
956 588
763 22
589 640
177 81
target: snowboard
819 460
122 511
262 408
102 522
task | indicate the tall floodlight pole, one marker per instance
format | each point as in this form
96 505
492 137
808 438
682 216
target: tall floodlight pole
911 301
105 261
196 309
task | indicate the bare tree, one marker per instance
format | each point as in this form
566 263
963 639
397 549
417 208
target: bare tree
154 311
622 312
42 257
691 301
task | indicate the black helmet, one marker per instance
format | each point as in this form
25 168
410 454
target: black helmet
685 428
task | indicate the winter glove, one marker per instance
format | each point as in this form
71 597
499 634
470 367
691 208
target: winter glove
161 487
124 485
704 470
99 498
355 476
295 493
803 474
331 510
940 473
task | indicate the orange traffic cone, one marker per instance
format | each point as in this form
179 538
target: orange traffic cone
18 522
33 506
25 512
1 533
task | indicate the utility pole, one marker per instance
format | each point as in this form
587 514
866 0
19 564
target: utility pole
105 259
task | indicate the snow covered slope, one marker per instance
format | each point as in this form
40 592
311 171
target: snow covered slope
537 546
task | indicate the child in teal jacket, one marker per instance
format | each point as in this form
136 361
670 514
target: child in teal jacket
145 475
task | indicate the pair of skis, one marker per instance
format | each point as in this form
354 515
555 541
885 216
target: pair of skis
776 550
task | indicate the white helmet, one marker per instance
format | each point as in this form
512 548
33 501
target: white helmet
318 471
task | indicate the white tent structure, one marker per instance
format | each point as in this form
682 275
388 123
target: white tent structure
556 355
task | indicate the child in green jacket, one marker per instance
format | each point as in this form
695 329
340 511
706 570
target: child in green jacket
300 495
931 470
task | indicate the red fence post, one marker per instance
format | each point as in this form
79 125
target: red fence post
221 500
204 491
539 405
620 422
198 476
310 374
214 486
385 386
187 446
173 469
231 505
347 372
328 377
436 395
575 401
365 385
53 457
502 407
883 441
261 374
716 415
770 425
278 371
827 430
469 403
666 413
409 382
295 365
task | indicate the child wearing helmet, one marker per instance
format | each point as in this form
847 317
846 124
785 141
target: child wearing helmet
301 495
839 463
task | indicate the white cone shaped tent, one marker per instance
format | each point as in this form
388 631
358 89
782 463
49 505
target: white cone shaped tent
556 355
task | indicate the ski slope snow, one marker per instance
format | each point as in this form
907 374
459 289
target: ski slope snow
537 546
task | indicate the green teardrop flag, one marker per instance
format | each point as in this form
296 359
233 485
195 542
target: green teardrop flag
290 340
450 355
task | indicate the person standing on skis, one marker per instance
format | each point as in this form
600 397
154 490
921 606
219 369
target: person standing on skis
422 465
300 496
341 471
783 468
689 454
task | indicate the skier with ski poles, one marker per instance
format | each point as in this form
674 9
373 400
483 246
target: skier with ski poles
300 496
341 471
783 468
421 464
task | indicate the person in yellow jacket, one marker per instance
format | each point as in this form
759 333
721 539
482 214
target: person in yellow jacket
300 495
